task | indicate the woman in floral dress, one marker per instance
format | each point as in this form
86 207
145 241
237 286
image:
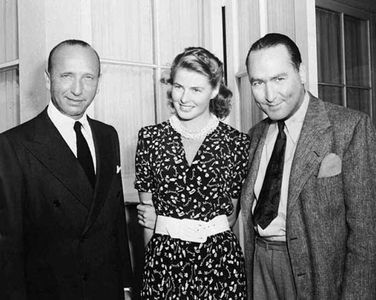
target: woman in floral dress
192 167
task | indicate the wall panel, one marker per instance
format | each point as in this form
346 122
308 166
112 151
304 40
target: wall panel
249 24
180 26
9 79
126 101
9 99
123 29
8 31
249 28
251 114
281 17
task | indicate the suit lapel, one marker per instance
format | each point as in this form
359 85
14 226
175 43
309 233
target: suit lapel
105 154
257 145
313 145
49 147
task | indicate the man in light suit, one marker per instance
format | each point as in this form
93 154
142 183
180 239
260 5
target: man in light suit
315 236
62 219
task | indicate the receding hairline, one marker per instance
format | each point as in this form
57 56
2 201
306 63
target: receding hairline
71 43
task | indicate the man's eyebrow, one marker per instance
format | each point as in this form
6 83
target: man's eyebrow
283 74
254 79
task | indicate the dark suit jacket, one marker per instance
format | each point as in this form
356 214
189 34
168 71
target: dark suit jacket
60 239
331 221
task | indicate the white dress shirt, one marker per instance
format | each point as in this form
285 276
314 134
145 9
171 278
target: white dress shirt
276 230
64 125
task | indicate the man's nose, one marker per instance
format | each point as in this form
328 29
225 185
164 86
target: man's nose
76 88
269 93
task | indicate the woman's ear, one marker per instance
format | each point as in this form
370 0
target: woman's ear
215 91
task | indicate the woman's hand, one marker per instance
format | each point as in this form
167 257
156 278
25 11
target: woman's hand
146 215
234 216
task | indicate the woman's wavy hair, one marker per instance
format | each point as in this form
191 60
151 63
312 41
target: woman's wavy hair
202 61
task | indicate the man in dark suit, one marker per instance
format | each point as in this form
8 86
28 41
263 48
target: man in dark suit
309 202
62 219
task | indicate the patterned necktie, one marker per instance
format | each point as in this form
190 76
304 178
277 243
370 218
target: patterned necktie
268 202
83 154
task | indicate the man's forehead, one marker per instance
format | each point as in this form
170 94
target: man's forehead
73 50
74 55
270 59
278 51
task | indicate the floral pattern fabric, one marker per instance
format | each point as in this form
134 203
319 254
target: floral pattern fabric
176 269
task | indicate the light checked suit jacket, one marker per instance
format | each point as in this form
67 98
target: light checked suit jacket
331 206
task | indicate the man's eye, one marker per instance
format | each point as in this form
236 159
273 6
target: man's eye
256 83
196 90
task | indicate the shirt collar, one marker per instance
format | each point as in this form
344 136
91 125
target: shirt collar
63 121
294 124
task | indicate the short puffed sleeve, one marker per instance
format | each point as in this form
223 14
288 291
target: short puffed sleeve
240 168
144 175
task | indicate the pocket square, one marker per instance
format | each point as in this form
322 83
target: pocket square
118 169
330 166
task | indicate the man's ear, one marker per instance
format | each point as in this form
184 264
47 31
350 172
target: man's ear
47 77
302 73
99 84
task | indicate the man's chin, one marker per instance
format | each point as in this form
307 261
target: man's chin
276 116
74 114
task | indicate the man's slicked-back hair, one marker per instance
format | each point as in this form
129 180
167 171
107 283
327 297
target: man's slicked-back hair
275 39
71 42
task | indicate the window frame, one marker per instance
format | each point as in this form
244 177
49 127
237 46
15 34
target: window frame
346 10
12 65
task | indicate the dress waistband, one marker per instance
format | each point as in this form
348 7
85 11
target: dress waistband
191 230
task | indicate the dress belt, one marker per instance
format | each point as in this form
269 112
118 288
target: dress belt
191 230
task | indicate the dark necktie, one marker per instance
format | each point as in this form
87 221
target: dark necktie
268 202
83 154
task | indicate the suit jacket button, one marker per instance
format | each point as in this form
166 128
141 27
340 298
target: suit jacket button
84 277
56 203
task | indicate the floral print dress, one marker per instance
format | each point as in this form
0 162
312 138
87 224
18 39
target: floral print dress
177 269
